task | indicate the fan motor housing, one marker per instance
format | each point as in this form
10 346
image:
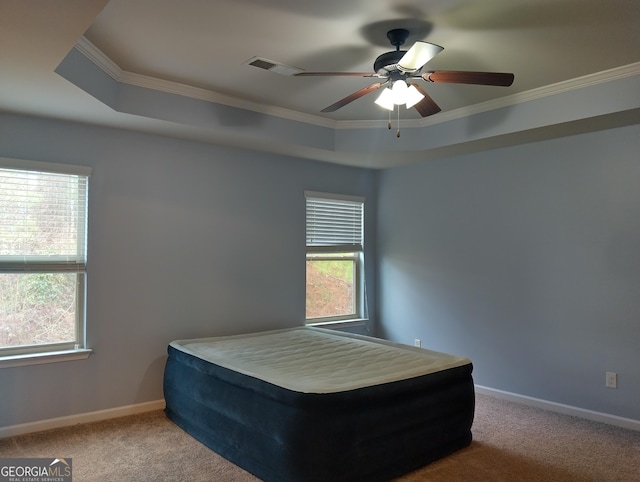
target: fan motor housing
388 62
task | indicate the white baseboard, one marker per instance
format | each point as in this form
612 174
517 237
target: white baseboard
628 423
59 422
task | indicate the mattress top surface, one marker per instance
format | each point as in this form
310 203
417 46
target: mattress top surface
317 360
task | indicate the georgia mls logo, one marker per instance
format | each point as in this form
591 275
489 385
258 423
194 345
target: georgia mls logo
35 470
63 467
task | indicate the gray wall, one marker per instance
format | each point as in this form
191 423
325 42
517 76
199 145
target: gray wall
524 259
185 240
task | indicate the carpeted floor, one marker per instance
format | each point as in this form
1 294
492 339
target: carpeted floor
512 442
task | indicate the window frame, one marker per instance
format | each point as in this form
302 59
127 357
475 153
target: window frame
354 256
355 250
30 354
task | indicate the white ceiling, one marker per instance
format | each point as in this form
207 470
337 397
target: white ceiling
205 44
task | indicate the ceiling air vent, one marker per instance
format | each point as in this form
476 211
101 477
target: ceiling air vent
272 66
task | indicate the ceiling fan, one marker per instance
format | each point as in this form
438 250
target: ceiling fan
398 69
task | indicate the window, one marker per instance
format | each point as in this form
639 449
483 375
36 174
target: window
43 256
335 261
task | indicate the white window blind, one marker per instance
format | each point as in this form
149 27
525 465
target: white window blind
43 218
334 223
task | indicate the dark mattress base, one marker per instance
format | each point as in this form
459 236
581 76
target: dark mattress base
367 434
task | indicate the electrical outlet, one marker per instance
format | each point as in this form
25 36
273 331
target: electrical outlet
611 380
417 342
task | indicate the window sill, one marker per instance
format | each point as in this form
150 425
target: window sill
41 358
339 323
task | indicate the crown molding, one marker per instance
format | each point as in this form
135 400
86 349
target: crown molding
542 92
91 52
95 55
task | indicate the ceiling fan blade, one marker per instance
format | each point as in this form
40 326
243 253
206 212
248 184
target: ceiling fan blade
419 54
461 77
350 98
426 106
334 74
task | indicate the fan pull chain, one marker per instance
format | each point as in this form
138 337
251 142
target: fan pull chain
398 132
389 124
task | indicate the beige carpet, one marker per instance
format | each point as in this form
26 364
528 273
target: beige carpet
512 442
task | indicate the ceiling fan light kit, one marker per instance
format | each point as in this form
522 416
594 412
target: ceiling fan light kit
400 93
386 99
412 96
